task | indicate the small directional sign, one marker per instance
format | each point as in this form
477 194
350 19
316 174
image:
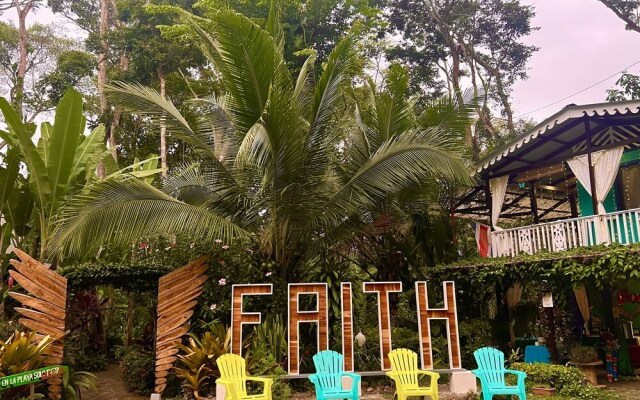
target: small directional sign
35 376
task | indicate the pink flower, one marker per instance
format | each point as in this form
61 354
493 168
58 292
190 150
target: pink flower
225 247
11 282
218 241
213 307
268 274
222 282
144 245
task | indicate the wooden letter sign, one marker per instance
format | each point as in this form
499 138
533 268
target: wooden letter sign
347 326
320 315
239 318
448 313
384 319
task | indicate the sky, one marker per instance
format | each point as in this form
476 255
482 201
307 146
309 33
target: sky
581 43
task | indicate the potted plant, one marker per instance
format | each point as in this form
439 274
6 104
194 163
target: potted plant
544 390
586 359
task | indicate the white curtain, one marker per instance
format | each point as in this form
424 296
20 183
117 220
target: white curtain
605 166
583 305
498 188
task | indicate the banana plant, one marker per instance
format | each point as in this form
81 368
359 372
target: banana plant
62 162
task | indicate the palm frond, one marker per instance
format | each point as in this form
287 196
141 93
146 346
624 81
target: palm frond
121 211
303 90
411 159
249 60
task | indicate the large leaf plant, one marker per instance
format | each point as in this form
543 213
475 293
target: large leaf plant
62 162
276 161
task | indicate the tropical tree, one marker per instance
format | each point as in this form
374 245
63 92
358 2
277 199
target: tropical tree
274 160
62 162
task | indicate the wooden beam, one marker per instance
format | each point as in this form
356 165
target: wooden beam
574 205
553 207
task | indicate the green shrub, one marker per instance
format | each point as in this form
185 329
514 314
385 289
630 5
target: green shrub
137 369
582 354
568 381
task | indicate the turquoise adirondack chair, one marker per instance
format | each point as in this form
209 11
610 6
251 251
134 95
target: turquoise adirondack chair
328 377
491 372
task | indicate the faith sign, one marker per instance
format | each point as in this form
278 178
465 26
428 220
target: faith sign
319 315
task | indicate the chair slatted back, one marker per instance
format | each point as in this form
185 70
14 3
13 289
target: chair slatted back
491 362
405 363
329 369
233 368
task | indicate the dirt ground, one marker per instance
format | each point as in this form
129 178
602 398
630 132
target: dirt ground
111 387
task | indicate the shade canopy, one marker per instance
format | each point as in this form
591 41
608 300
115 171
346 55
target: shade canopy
538 158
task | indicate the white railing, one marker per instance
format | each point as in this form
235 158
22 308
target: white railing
618 227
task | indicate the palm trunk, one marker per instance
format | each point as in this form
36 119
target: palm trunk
163 126
23 39
130 307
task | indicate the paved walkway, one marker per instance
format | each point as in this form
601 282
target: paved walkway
111 386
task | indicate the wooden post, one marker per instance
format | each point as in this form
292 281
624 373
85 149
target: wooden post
592 177
488 199
534 202
574 205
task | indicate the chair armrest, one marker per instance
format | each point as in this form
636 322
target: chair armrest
355 377
267 382
429 373
221 381
263 380
314 379
514 372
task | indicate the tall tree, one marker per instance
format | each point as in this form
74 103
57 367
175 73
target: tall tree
469 39
52 67
626 10
23 8
283 182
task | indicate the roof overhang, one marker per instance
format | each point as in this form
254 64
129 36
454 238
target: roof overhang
563 136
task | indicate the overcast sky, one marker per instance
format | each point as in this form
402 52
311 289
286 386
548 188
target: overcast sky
581 42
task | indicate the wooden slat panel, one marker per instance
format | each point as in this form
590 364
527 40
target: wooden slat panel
43 328
177 294
37 290
41 317
41 277
40 305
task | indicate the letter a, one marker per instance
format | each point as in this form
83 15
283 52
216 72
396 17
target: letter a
320 315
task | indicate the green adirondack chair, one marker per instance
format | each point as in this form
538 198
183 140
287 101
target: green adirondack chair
491 372
233 376
405 374
328 377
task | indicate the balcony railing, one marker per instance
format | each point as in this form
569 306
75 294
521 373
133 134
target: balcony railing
618 227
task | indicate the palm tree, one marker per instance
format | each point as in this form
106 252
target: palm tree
274 160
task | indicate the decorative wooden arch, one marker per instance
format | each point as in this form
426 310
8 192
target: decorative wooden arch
178 292
47 308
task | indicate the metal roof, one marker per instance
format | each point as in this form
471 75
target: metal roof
610 123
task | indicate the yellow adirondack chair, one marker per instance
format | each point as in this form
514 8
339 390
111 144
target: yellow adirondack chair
233 376
405 373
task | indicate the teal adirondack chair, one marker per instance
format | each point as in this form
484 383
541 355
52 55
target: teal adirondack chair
491 372
328 377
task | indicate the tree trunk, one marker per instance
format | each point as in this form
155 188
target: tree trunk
163 126
23 38
130 307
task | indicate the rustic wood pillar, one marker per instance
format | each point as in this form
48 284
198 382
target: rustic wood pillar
592 177
534 202
574 205
488 199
